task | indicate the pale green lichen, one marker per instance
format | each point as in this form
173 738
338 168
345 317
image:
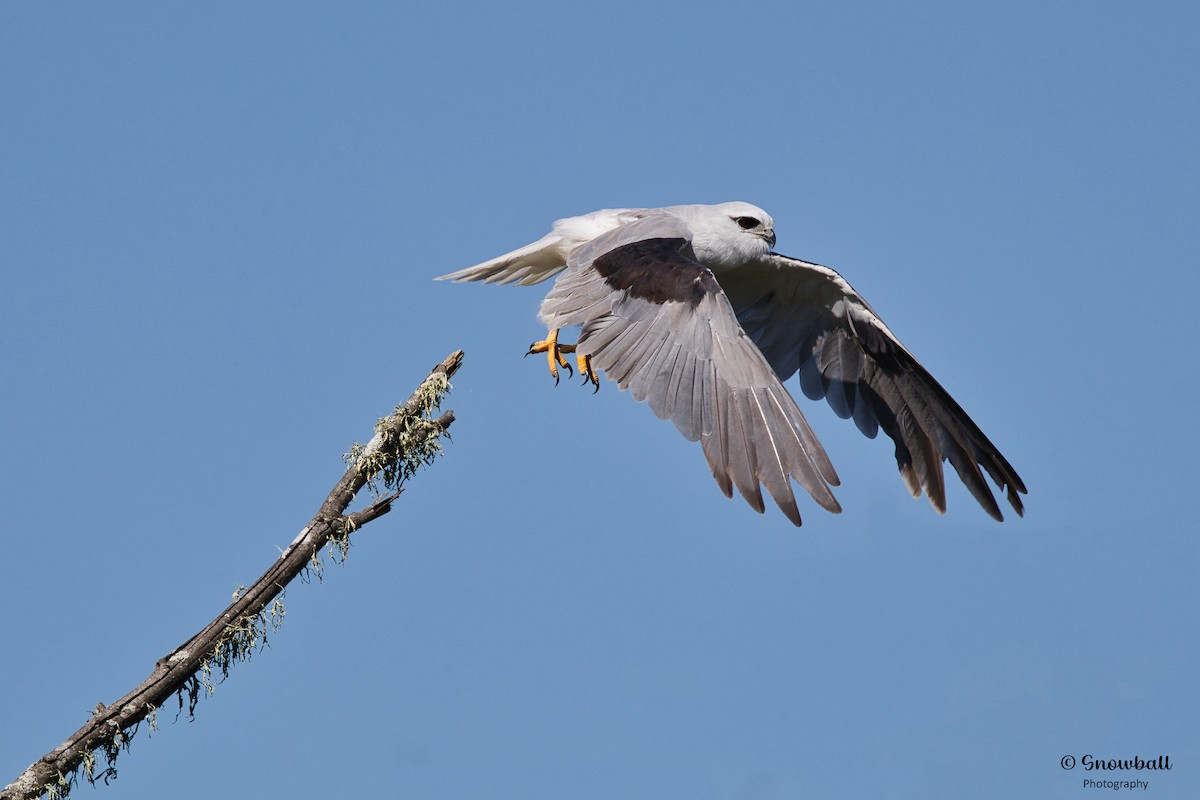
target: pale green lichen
240 640
404 442
89 765
61 786
402 445
277 612
152 717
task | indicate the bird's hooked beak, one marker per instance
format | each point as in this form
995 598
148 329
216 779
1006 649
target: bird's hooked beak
769 235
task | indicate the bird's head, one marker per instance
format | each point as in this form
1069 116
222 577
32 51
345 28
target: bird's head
727 235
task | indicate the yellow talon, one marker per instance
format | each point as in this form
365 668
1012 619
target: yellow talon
554 352
554 358
584 362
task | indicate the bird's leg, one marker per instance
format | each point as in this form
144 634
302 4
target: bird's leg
554 357
584 362
554 353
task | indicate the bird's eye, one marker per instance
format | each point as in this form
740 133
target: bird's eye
747 223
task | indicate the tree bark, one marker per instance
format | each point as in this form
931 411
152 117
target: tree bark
402 442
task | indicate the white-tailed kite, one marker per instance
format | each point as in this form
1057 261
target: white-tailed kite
689 309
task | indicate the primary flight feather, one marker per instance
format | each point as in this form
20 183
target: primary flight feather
689 309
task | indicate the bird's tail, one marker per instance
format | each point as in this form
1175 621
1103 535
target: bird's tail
530 264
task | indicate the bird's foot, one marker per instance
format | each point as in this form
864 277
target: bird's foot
554 353
584 362
554 358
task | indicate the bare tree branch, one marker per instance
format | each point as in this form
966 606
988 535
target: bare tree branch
403 442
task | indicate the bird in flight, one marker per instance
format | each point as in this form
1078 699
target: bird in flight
690 309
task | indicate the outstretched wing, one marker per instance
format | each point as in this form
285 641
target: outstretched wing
805 317
657 322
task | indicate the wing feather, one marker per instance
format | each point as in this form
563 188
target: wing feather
710 351
658 323
805 318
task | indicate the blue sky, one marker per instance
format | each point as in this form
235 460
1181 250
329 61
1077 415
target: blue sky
218 228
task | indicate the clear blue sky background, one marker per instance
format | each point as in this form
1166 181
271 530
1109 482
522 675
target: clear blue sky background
218 229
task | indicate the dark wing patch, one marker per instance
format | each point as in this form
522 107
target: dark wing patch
805 317
656 270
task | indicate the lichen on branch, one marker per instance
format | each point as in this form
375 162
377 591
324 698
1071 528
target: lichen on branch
403 442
